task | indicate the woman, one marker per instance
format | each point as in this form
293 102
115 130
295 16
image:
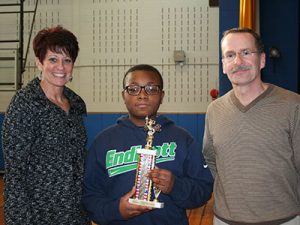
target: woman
44 139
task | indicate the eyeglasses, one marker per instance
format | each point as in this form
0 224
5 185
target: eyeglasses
150 89
244 54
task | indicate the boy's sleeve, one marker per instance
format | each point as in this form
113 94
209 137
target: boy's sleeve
101 209
194 188
208 149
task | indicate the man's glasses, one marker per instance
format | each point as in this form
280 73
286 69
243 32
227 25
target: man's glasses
150 89
229 57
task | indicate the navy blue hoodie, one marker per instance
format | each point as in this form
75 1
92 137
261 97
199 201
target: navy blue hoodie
111 167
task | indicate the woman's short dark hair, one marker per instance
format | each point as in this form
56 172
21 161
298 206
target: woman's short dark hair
258 41
56 39
144 67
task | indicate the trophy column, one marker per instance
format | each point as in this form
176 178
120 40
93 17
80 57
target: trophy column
146 162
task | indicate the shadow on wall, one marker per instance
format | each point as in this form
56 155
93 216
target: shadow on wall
94 123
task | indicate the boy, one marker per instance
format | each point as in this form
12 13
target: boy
183 178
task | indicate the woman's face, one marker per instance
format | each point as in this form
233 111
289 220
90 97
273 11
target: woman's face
56 68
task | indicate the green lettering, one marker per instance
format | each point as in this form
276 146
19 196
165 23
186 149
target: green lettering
129 155
109 158
158 150
136 155
173 147
164 150
118 158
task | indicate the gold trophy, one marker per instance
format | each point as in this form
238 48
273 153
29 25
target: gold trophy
146 162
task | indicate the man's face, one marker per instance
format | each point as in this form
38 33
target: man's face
141 105
241 60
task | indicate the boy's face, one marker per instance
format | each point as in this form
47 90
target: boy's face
142 105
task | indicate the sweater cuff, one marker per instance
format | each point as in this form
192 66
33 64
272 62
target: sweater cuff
178 189
112 211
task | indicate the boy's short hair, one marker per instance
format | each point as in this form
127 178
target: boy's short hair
145 67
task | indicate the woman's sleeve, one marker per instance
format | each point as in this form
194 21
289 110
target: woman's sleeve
17 138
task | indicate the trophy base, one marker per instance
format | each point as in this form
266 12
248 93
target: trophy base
153 204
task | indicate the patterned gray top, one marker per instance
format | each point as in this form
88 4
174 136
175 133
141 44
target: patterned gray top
254 154
44 150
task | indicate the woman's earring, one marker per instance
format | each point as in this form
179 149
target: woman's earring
40 76
70 79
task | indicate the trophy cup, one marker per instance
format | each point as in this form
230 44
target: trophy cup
146 162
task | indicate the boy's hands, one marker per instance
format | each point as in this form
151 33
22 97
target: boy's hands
162 179
129 210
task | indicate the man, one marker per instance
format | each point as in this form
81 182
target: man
182 175
252 140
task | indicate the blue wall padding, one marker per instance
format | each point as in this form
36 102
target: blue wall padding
94 123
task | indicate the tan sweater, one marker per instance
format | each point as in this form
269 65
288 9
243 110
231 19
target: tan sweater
254 154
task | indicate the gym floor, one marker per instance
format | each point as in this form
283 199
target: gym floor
198 216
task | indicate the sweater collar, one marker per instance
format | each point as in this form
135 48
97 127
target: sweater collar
243 108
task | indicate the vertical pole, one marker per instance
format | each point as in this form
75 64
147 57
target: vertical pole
21 43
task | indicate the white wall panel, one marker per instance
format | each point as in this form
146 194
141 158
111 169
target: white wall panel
116 34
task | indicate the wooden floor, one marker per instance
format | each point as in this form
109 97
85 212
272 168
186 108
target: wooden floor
202 215
199 216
